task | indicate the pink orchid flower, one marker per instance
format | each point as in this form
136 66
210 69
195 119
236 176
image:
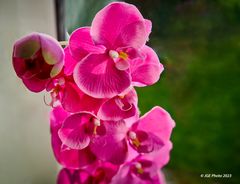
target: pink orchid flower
106 139
152 131
102 173
111 54
145 168
67 157
36 59
139 171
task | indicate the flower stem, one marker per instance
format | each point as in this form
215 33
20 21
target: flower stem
63 43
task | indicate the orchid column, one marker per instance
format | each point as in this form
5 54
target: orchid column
97 133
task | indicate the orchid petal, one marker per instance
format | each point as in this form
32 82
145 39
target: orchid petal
57 116
51 50
34 84
56 69
122 64
157 121
71 158
132 35
70 62
112 146
70 176
27 46
146 71
109 24
124 176
67 157
74 100
119 108
97 76
73 133
81 44
19 66
148 25
128 173
162 156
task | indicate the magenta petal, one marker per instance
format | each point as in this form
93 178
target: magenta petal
71 158
128 173
67 157
74 100
52 53
146 71
34 84
71 100
157 121
19 66
81 44
74 132
122 64
112 146
51 49
27 46
65 176
162 156
97 76
71 176
74 139
101 172
119 108
132 35
109 22
57 116
124 175
148 25
70 62
104 172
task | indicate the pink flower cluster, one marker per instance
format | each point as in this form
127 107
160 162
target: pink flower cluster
97 133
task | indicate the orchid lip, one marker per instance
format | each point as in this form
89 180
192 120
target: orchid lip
133 136
122 62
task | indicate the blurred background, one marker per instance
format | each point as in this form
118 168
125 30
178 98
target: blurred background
25 150
198 41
